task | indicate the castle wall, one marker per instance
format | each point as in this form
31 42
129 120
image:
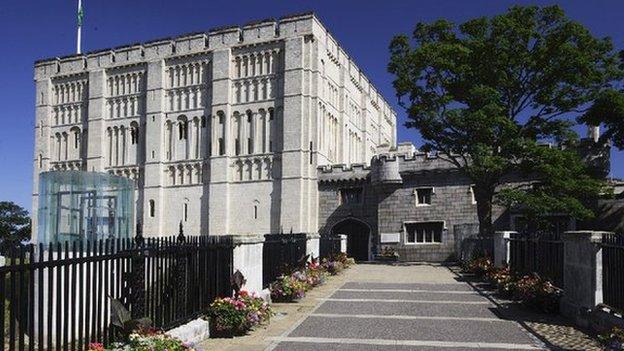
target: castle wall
221 131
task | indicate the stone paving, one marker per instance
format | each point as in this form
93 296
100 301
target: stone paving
406 307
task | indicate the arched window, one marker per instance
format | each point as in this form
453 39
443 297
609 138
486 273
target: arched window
152 208
134 133
182 129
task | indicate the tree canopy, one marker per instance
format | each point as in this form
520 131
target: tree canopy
486 94
14 226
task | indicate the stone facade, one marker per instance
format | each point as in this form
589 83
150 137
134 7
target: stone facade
221 130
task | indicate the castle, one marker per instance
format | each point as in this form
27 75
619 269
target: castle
268 128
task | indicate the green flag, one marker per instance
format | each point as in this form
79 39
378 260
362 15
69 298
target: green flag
80 16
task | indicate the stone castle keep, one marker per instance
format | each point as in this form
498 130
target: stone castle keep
268 128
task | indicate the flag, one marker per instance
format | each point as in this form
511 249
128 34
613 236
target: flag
80 15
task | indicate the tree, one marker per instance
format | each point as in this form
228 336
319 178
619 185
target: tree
608 109
14 226
487 93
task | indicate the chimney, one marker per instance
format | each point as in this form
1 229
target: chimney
593 133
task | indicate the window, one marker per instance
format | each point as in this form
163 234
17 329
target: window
134 135
424 232
350 196
255 212
221 147
185 212
250 146
237 147
76 139
423 196
311 155
183 130
152 208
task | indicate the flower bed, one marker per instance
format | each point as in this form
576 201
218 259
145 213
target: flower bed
145 340
231 316
534 291
289 288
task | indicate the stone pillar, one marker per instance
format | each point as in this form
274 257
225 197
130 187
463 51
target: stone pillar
313 245
343 243
501 248
248 260
582 274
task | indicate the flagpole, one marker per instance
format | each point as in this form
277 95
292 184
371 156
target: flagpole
78 39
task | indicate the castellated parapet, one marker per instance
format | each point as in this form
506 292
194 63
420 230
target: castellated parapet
222 130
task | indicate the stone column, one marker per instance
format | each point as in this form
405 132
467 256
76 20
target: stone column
313 245
248 260
582 274
501 247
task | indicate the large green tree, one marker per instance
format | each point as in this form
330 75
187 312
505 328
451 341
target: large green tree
14 226
608 110
485 94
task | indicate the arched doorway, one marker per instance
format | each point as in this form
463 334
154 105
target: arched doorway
358 236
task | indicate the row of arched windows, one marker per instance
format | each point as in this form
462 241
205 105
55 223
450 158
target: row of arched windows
186 74
184 138
70 92
68 114
331 94
122 107
123 144
254 90
253 169
185 98
128 172
355 147
329 133
255 64
185 174
125 84
67 145
252 131
355 114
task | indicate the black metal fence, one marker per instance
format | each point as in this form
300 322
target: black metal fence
279 253
60 298
329 245
613 270
540 252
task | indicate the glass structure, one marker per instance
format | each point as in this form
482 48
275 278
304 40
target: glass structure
75 206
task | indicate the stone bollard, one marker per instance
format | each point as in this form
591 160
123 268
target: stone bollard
343 243
248 259
501 248
313 245
582 275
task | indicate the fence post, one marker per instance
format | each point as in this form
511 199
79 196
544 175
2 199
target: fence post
137 280
343 243
582 274
247 258
313 245
501 247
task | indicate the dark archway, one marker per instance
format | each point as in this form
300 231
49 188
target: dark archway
358 237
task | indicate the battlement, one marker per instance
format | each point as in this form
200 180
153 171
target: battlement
250 34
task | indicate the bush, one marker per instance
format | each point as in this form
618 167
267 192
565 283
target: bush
503 279
289 288
145 340
479 265
613 339
236 316
539 293
315 273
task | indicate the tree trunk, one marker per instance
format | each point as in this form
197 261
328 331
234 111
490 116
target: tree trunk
483 196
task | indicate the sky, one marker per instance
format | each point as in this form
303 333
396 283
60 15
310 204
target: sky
35 29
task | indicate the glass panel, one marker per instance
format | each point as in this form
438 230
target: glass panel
76 205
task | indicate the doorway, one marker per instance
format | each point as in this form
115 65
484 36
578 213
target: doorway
358 237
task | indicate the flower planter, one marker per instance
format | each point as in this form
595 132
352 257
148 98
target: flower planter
382 258
216 333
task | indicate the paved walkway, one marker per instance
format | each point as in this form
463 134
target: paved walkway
405 307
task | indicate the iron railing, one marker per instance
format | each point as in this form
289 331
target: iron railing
539 252
329 245
281 252
613 271
58 297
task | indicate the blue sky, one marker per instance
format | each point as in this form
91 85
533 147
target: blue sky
34 29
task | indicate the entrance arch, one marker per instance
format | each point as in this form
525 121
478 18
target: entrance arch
358 237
